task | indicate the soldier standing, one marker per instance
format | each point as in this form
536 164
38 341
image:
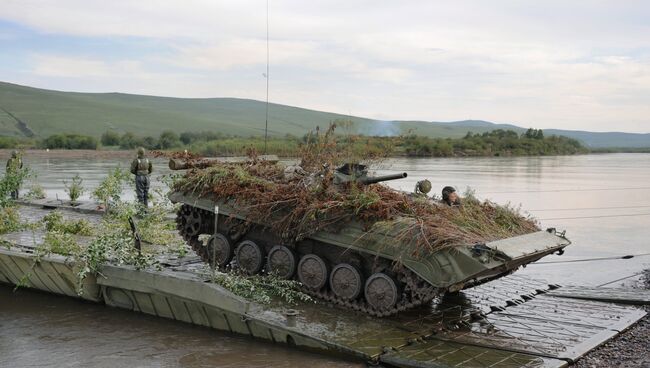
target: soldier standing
14 164
141 167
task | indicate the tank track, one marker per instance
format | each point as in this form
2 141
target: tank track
361 305
416 292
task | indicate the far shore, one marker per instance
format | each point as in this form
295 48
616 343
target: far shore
63 153
126 154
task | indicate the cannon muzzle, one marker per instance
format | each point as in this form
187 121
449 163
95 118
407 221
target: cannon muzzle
376 179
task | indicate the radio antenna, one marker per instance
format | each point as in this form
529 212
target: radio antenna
266 124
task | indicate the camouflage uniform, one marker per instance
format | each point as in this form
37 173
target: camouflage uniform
14 164
141 167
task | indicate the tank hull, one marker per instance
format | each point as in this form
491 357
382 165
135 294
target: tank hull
355 264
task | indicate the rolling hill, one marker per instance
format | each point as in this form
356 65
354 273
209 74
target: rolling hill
27 111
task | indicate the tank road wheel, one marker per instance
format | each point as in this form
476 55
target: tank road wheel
312 272
346 281
381 292
219 250
250 257
181 216
281 262
189 221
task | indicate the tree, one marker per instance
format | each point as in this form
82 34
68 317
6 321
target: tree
168 139
128 141
110 138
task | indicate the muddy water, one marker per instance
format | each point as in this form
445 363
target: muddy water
41 330
603 201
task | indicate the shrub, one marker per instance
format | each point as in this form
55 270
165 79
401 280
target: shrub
110 138
168 139
54 221
36 191
11 181
10 220
75 189
110 189
70 141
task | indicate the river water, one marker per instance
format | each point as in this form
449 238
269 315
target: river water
602 201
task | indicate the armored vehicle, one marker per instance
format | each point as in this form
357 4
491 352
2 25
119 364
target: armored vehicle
372 269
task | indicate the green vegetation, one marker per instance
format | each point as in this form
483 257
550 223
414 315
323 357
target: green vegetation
27 112
36 191
109 191
10 220
55 222
70 141
495 143
261 289
11 181
228 126
75 189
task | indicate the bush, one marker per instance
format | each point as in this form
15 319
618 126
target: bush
70 141
11 181
36 191
10 220
9 142
168 139
75 189
110 189
130 141
54 222
110 138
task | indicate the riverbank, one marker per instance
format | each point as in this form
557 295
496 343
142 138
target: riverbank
631 349
488 144
70 154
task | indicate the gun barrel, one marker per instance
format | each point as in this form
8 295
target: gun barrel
377 179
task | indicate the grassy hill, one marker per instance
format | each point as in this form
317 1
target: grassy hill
25 111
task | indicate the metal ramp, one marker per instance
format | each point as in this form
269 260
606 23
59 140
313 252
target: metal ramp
612 295
511 322
443 354
521 324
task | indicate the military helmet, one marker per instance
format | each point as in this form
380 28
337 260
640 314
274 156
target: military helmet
424 186
14 153
141 152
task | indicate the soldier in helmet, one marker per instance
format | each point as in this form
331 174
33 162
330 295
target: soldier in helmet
14 164
450 197
422 188
141 167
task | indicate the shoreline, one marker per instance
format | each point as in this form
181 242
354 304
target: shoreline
82 153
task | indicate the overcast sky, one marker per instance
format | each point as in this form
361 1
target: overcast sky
546 64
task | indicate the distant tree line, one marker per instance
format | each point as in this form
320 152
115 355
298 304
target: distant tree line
494 143
166 140
498 142
70 141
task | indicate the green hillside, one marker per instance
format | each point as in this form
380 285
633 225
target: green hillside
25 111
48 112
